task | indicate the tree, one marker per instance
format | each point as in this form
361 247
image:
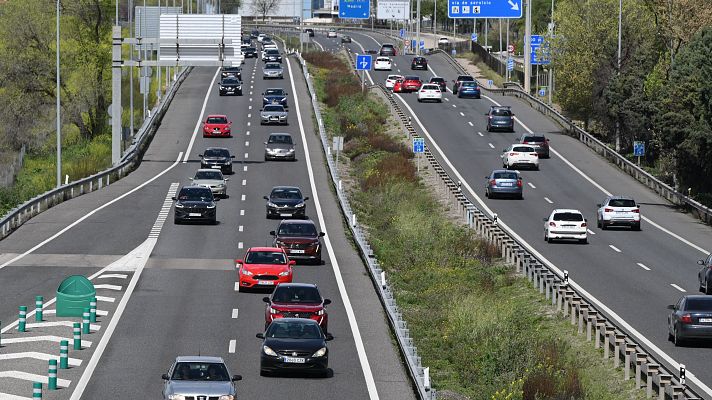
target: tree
230 6
264 7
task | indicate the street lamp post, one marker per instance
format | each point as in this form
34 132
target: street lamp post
417 28
618 71
59 121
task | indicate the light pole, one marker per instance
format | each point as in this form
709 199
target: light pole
551 66
528 48
417 28
618 71
59 121
435 18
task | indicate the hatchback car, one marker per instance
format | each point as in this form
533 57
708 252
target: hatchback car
195 203
382 64
520 155
443 40
419 63
263 267
280 146
690 318
705 275
398 85
273 114
459 80
275 96
502 182
618 211
565 224
297 300
199 377
212 179
250 52
440 82
230 86
539 141
469 89
217 125
391 80
217 158
500 117
272 70
286 202
411 83
294 344
272 55
387 49
300 239
430 92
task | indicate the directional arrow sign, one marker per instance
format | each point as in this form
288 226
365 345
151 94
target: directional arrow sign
363 62
355 9
484 8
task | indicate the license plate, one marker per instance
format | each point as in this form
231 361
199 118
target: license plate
265 282
706 320
295 360
506 184
215 166
194 214
285 215
297 251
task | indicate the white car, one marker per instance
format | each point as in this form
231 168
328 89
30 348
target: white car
565 224
391 80
383 64
270 45
520 155
261 37
430 92
443 40
618 211
331 33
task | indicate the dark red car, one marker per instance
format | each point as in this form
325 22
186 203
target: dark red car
300 239
411 84
263 267
217 126
398 86
297 300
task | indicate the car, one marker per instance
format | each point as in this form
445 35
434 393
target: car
297 300
250 52
345 39
383 64
430 92
300 239
246 40
310 31
230 86
520 155
459 80
286 202
217 125
263 268
261 37
387 49
255 34
331 33
294 344
272 55
618 211
398 85
565 224
690 318
273 114
275 96
212 179
502 182
469 89
195 203
500 117
411 83
440 82
235 72
217 158
279 146
199 377
391 80
443 40
272 70
705 275
269 45
539 141
419 63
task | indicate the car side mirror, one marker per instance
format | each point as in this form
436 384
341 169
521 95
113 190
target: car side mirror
265 299
322 234
327 302
261 109
265 142
263 93
216 199
272 233
189 178
239 262
165 377
260 335
200 155
265 197
329 337
236 378
232 156
306 198
226 179
286 94
671 307
173 198
229 122
701 262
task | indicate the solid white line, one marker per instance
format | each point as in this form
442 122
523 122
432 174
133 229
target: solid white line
200 118
7 396
106 276
37 356
231 347
548 200
641 265
616 249
531 185
491 145
25 376
105 299
471 124
590 232
356 333
45 338
235 312
678 287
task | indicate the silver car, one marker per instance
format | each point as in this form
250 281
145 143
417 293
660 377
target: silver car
213 179
272 70
273 114
279 146
199 377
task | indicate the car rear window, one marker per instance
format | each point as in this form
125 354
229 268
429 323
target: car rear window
622 203
464 78
469 84
265 257
272 52
568 216
535 139
387 47
524 149
437 80
412 78
431 87
217 153
195 194
217 120
273 66
208 175
505 175
287 294
501 112
699 304
384 59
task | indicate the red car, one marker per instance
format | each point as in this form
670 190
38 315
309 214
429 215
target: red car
297 300
217 126
263 267
398 86
300 239
411 84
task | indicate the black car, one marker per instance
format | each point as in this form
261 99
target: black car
440 82
705 275
387 50
250 52
217 158
419 63
195 203
310 31
254 34
286 202
294 344
274 96
500 117
690 318
246 40
459 80
345 39
272 55
235 72
230 86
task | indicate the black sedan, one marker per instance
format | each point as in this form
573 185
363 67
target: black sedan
690 318
235 72
286 202
250 52
294 344
419 63
217 158
195 203
274 96
230 86
705 275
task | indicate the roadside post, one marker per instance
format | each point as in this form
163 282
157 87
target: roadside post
85 322
363 64
52 375
23 319
639 149
36 390
64 354
77 330
92 310
38 308
337 146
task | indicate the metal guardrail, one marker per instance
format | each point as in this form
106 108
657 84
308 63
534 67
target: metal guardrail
130 161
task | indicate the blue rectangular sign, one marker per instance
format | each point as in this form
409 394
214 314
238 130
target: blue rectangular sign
402 32
418 145
540 51
484 8
363 62
356 9
639 148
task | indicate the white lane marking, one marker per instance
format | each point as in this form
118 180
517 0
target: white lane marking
356 333
398 69
616 249
105 299
250 98
244 182
107 276
247 133
25 376
7 396
678 288
232 346
454 106
54 312
250 93
242 198
242 212
249 115
237 286
247 143
249 123
240 228
480 133
491 145
244 168
531 185
247 155
462 114
446 99
240 245
44 338
109 287
590 232
37 356
249 107
641 265
200 118
319 44
471 124
548 200
235 312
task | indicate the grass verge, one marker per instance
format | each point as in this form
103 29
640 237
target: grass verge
485 70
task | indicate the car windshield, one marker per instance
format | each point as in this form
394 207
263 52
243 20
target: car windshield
280 139
286 194
230 81
535 139
438 80
622 203
501 112
273 66
216 153
274 108
505 175
231 69
469 84
418 59
272 52
199 371
265 257
217 120
274 92
208 175
299 294
195 194
383 59
293 330
524 149
699 304
394 77
464 78
251 49
387 47
297 230
568 216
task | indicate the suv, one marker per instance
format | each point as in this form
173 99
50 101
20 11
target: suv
440 82
195 203
250 52
272 55
469 89
297 300
618 210
459 80
300 239
387 49
539 141
331 33
419 63
310 31
230 86
199 377
217 158
565 224
286 201
500 117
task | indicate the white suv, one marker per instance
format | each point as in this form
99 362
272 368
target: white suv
565 224
618 210
382 64
520 155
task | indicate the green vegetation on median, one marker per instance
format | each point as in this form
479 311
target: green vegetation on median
485 332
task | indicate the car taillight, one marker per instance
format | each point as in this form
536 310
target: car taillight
490 117
636 211
583 225
607 210
493 182
526 142
513 154
552 223
686 319
534 154
519 183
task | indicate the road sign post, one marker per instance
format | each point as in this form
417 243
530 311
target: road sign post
639 149
490 9
510 64
363 63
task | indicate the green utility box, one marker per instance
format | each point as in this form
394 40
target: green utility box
74 295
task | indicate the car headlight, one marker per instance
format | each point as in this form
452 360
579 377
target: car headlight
226 397
269 351
284 273
265 100
299 205
282 117
321 312
179 205
279 243
222 87
221 185
176 397
320 352
212 205
247 272
290 151
270 204
273 311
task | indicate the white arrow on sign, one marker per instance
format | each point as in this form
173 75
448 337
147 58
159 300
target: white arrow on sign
515 6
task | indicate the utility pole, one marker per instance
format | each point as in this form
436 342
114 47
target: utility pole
435 18
551 66
486 34
132 33
528 48
417 28
59 120
618 72
506 74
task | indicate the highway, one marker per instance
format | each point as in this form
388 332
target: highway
636 274
184 301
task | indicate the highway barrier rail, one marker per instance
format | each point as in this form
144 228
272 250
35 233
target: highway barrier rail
129 162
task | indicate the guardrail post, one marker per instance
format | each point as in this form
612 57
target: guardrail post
600 327
85 322
77 333
574 306
38 308
583 312
640 359
568 296
663 381
629 351
52 375
608 331
678 392
591 319
63 354
619 340
650 373
23 319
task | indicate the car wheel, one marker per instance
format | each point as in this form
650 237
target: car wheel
636 227
603 226
176 221
676 339
598 223
488 128
583 241
536 168
487 193
546 238
520 197
264 373
214 221
440 100
708 288
420 101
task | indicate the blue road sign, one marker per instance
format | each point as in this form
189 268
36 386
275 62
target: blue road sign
484 8
358 9
363 62
639 148
542 92
402 32
474 37
490 82
540 51
510 64
418 145
422 44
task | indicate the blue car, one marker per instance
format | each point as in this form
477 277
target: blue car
469 89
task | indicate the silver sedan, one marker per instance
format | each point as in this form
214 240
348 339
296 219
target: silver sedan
213 179
273 114
272 70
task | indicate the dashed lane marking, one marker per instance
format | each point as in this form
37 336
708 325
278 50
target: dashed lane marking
118 276
109 287
531 185
491 145
641 265
471 124
38 356
678 288
235 312
548 200
616 249
232 346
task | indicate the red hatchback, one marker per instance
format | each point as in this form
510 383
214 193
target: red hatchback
297 300
263 267
411 83
217 126
398 86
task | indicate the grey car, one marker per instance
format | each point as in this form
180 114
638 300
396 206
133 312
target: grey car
690 318
272 70
213 179
502 182
199 377
273 114
279 146
500 117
